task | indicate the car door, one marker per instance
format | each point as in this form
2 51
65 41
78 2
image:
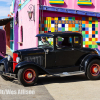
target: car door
64 55
50 59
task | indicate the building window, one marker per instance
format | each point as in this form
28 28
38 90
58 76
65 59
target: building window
16 19
84 2
60 2
21 34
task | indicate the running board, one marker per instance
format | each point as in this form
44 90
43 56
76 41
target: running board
69 73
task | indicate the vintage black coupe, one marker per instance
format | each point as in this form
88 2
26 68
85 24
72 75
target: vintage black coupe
57 54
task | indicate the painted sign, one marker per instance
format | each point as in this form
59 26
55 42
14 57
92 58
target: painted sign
61 2
84 2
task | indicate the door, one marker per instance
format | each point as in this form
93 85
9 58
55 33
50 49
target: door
11 36
50 59
64 52
64 57
2 43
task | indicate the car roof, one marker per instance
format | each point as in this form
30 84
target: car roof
55 34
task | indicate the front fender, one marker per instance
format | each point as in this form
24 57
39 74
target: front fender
25 63
1 57
87 59
4 61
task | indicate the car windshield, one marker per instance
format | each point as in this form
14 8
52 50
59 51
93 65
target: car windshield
45 41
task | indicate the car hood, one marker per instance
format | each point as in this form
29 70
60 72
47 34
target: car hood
29 51
32 51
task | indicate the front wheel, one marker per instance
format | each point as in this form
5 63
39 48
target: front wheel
93 70
28 76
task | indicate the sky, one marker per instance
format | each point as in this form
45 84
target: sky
4 8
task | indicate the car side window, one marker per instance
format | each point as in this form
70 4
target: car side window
45 41
63 42
76 41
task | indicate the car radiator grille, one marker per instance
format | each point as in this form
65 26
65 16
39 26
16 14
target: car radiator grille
36 59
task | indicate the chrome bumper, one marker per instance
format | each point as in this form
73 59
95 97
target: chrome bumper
8 74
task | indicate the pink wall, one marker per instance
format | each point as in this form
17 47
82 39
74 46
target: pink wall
22 1
30 28
72 4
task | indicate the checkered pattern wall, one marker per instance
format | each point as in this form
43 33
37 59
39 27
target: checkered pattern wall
87 26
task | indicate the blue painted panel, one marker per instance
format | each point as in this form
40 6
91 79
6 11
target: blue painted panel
51 9
81 12
71 11
98 14
61 10
48 8
91 14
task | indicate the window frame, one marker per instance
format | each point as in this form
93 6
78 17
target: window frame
79 44
64 47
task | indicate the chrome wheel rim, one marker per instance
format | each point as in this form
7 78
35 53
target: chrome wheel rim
95 70
29 75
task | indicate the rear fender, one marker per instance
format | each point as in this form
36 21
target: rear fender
23 64
87 59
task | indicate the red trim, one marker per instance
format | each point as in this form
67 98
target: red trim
15 55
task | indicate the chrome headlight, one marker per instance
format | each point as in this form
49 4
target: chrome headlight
18 59
9 57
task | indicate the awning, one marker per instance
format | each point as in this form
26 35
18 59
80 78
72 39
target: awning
5 21
70 11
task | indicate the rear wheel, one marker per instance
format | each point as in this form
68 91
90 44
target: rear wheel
5 77
28 76
93 70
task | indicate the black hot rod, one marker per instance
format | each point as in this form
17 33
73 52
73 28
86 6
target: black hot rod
58 54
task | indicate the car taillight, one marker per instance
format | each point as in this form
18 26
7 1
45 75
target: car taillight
15 55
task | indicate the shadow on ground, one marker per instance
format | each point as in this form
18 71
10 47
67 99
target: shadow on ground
52 79
67 79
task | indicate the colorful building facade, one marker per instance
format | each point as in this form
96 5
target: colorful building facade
58 16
